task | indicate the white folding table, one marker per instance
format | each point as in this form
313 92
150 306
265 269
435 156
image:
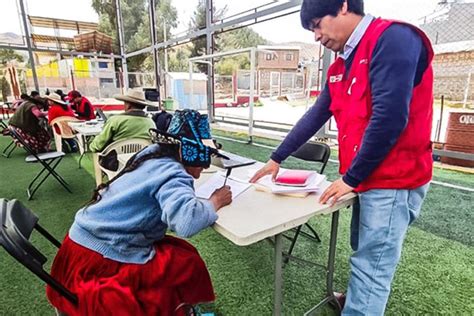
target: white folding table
255 215
85 132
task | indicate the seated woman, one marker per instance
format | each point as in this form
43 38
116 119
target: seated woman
59 108
27 123
117 257
17 103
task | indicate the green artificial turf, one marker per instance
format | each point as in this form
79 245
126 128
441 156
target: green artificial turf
435 275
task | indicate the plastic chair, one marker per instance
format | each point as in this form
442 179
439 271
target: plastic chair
66 131
16 225
49 161
125 146
314 152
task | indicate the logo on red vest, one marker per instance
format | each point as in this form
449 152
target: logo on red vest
336 78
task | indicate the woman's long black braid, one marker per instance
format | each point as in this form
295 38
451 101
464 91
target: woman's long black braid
164 150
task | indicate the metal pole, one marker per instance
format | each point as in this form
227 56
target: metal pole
28 44
252 86
278 293
122 44
210 66
308 85
327 60
191 88
156 61
97 75
166 61
438 134
466 91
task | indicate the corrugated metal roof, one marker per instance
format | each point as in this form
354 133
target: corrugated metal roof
38 21
51 39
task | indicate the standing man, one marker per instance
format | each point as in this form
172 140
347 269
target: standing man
380 91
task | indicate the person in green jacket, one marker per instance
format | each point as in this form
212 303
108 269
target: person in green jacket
133 123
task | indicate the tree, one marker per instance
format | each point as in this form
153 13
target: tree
198 22
136 24
236 39
5 87
178 58
241 38
9 54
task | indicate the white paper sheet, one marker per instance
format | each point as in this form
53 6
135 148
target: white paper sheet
237 186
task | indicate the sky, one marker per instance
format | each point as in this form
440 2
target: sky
279 30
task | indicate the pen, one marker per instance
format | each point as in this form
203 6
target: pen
229 170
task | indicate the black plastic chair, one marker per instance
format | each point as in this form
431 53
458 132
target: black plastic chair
7 151
49 161
314 152
16 225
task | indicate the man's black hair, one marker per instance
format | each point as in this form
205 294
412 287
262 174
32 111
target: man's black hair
34 93
313 9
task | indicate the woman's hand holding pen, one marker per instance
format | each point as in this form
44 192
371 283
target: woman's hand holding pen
221 197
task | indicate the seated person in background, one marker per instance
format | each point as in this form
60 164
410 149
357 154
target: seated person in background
59 108
133 123
117 257
162 120
61 94
27 123
35 95
81 106
17 103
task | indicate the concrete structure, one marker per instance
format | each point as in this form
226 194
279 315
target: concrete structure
453 67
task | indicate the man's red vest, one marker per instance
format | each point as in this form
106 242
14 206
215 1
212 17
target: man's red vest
409 163
82 108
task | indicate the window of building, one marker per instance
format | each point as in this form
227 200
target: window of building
103 64
289 57
269 56
106 81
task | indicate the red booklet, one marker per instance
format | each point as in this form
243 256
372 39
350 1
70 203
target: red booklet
294 177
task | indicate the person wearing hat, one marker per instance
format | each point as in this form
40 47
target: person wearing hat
81 105
59 108
117 257
133 123
27 122
380 92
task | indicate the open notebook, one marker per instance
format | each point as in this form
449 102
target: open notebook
237 186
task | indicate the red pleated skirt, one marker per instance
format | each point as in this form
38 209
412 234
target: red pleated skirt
175 276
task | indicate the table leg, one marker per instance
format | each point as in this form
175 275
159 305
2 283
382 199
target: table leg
278 275
330 298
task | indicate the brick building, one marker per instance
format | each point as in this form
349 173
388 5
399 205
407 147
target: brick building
451 31
453 67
